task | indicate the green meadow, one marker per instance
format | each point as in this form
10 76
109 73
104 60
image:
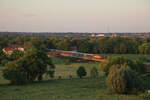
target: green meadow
66 88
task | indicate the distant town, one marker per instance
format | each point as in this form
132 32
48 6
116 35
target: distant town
78 34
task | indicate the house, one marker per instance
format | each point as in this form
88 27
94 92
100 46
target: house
9 50
98 35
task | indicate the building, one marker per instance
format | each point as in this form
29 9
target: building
9 50
98 35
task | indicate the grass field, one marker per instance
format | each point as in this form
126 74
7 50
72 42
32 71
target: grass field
65 88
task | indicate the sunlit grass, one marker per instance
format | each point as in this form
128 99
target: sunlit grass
65 88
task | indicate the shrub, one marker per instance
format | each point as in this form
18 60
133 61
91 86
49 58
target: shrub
81 71
103 68
13 73
70 60
94 72
51 73
3 62
144 59
144 48
119 60
139 66
123 80
3 58
15 77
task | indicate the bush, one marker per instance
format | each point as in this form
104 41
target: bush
119 60
114 61
103 68
70 60
51 73
15 77
3 62
81 71
123 80
94 72
3 58
144 59
139 66
13 73
144 48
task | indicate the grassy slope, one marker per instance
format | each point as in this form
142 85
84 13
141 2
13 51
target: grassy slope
63 89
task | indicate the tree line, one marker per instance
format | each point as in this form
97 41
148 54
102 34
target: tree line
103 45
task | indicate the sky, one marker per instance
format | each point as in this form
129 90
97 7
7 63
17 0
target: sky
75 15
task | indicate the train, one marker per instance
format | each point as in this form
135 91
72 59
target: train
76 54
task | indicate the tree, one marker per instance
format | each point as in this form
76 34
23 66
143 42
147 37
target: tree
81 71
135 65
1 54
114 61
37 43
123 80
144 48
64 44
50 71
94 72
3 58
70 60
16 54
123 48
83 45
35 63
32 65
13 72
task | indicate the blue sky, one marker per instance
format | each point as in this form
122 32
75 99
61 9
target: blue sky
75 15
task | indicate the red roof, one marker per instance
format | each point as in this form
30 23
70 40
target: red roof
12 47
8 49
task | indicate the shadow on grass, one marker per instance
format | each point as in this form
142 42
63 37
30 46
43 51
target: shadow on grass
57 81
